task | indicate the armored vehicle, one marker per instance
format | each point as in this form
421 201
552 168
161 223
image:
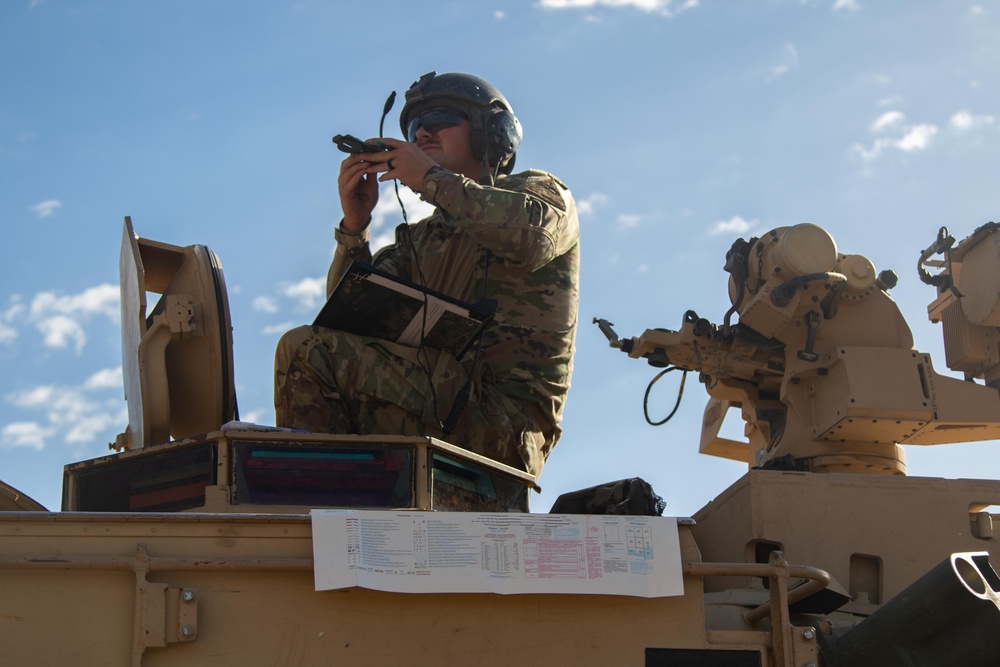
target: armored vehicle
208 541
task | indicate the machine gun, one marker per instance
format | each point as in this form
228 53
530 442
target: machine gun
821 362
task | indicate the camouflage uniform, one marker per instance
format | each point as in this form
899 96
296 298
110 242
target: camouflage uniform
518 243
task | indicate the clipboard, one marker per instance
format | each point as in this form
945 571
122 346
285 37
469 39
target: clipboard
370 302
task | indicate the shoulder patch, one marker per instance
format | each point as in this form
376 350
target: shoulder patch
539 184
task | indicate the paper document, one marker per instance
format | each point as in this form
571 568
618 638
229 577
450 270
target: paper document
468 552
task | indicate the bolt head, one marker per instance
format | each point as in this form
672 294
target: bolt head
188 595
809 633
187 631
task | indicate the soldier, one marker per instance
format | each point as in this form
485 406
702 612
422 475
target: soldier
494 234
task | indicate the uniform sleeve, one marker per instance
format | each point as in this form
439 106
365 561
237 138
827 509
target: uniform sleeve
350 246
528 219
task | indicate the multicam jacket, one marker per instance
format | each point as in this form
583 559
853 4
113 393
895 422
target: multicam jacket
517 243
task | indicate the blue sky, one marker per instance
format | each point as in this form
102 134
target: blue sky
679 126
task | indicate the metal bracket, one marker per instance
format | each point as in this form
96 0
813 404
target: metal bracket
812 322
163 615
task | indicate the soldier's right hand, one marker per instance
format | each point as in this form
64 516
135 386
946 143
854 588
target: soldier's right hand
358 192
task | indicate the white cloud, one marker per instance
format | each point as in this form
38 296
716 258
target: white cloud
25 434
777 71
309 292
917 138
69 405
100 300
16 309
109 378
848 5
75 414
387 214
886 120
60 318
790 61
277 328
869 154
86 428
382 239
964 120
499 15
657 6
59 330
587 206
628 221
387 210
735 225
265 304
7 334
46 208
907 138
33 398
255 416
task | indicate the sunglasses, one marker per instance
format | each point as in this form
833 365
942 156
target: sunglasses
432 121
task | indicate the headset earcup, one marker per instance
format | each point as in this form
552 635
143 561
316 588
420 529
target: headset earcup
503 134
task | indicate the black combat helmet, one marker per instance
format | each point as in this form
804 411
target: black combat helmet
495 131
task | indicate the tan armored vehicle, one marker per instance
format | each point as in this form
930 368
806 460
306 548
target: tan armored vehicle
207 541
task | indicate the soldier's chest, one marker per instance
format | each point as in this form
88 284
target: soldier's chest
450 260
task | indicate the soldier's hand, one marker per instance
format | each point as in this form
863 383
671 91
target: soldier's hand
405 162
358 192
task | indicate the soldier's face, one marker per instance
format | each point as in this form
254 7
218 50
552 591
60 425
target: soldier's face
451 148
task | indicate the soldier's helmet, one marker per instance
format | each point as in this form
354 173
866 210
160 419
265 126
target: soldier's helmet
495 130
